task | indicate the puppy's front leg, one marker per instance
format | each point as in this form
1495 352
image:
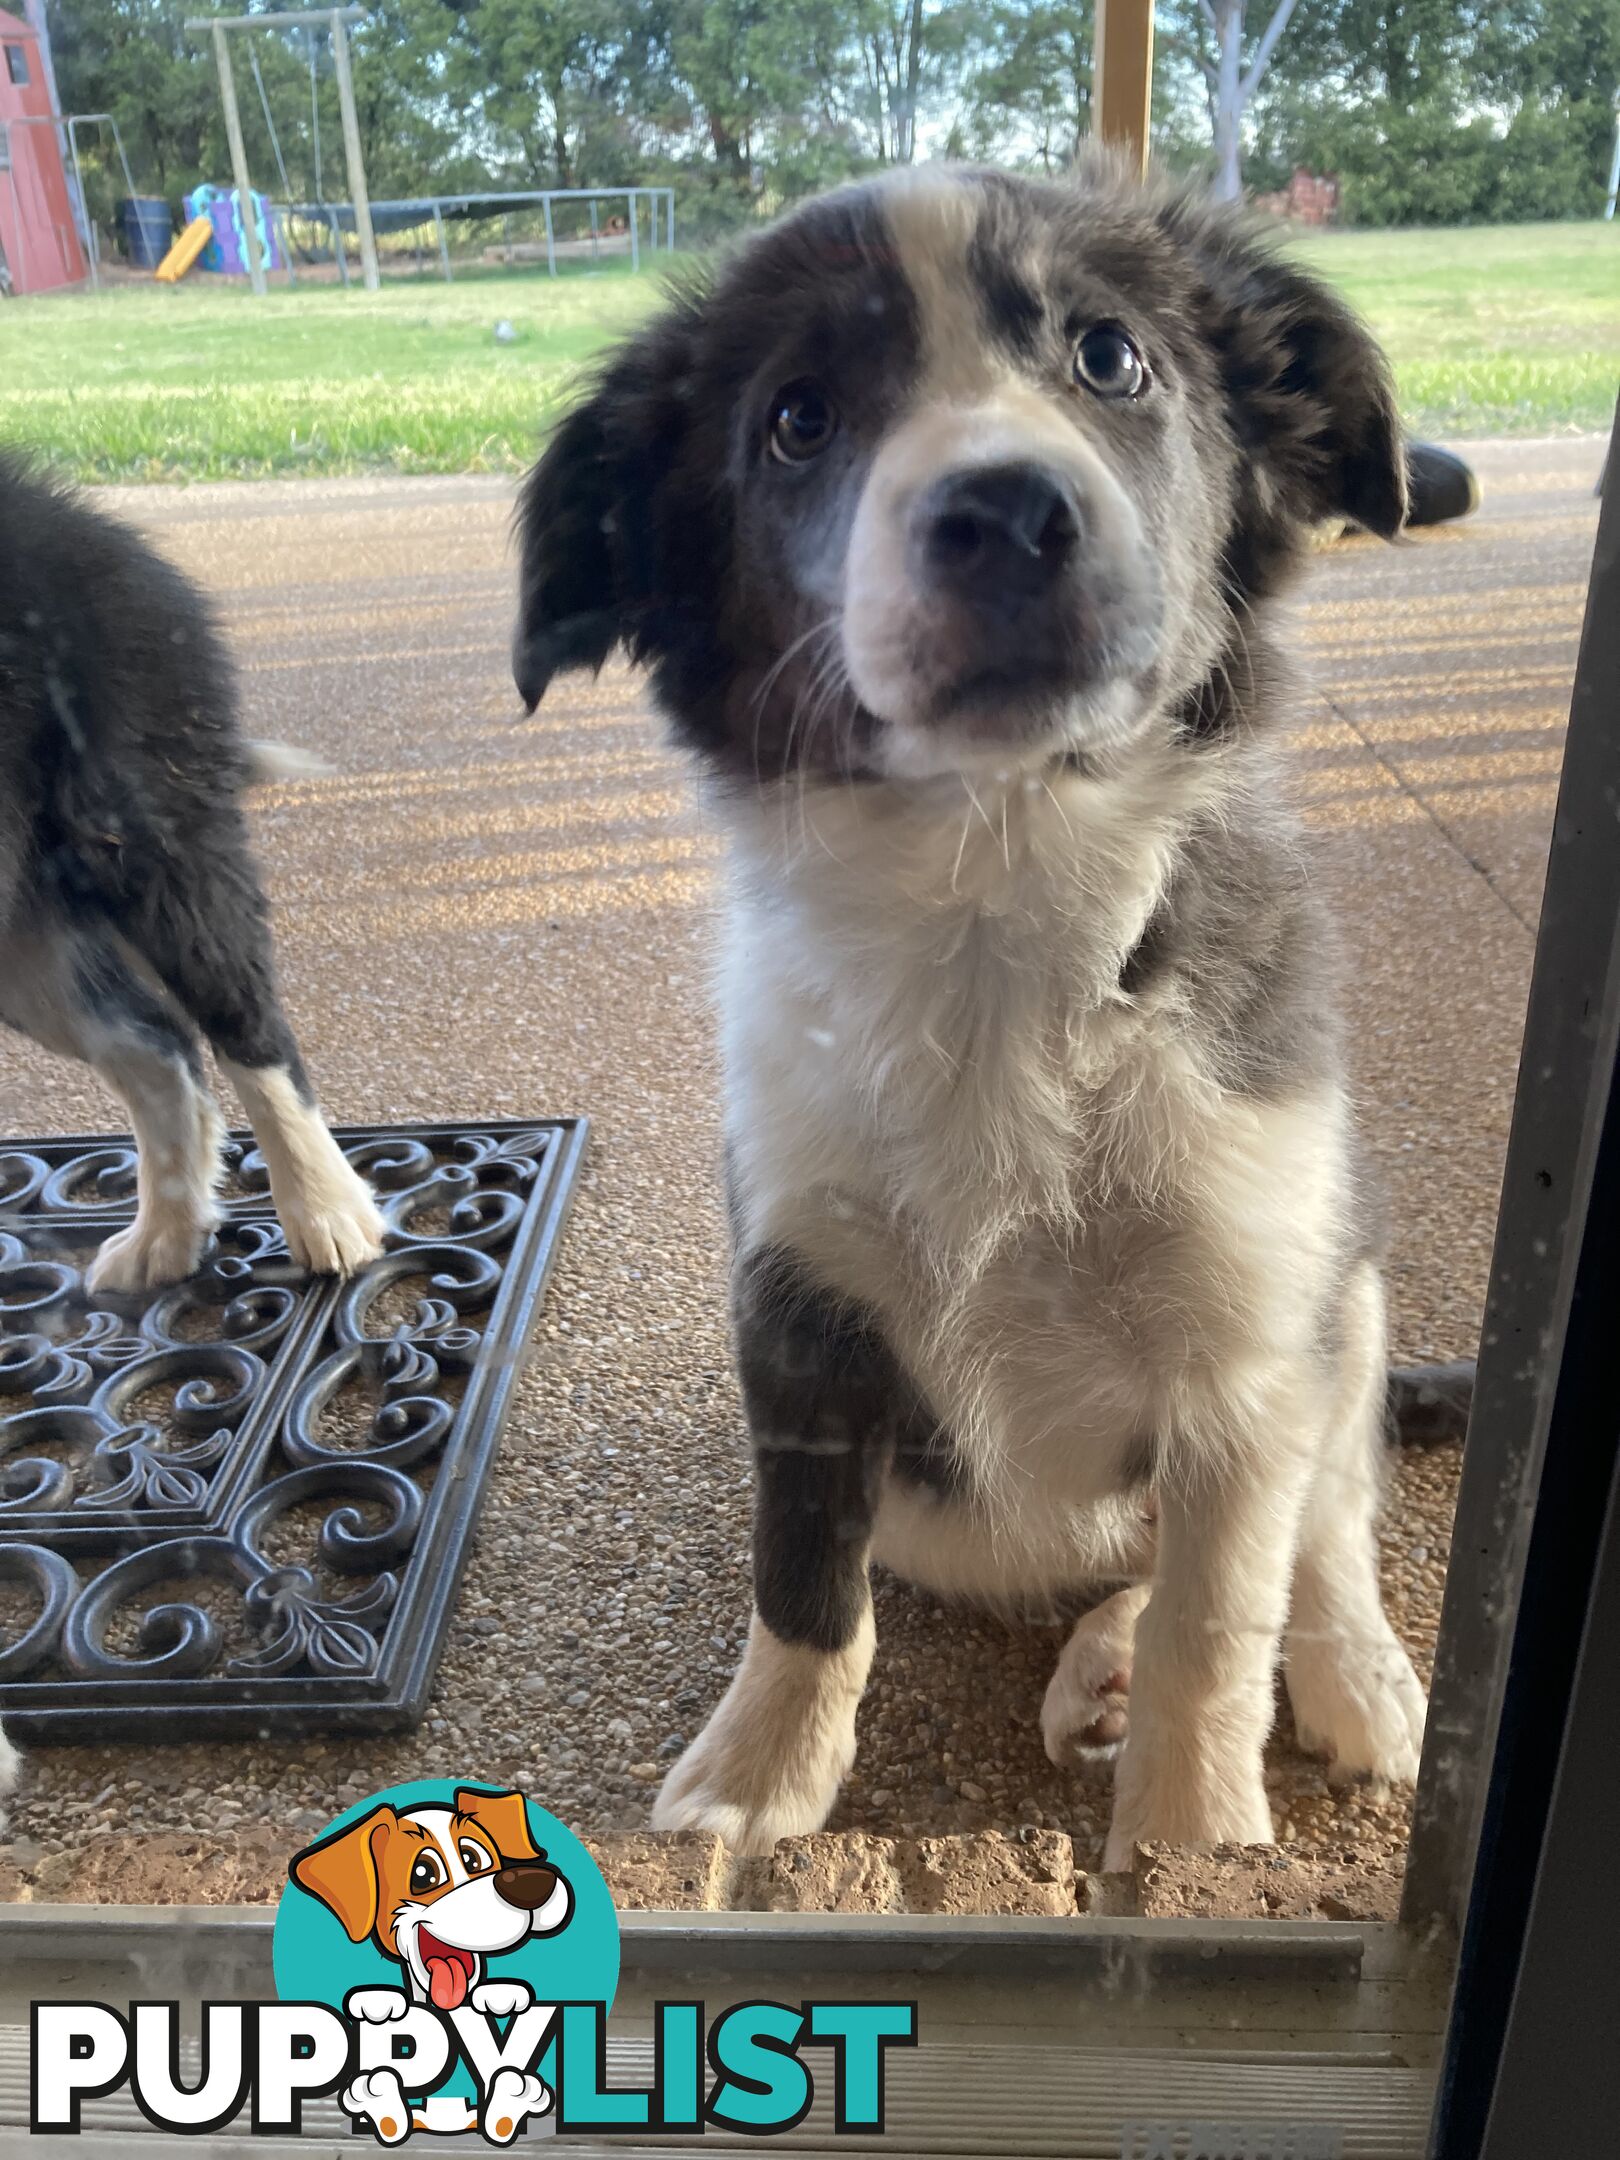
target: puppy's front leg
824 1398
1202 1688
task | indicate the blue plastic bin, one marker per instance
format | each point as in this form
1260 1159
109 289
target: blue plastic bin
148 230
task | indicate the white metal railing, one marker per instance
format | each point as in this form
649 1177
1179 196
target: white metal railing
660 203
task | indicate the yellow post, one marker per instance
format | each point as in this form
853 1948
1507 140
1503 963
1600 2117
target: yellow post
1122 75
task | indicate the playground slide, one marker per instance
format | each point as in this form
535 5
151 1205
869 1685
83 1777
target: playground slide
185 251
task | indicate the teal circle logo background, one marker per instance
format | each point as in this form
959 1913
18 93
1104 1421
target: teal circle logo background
315 1961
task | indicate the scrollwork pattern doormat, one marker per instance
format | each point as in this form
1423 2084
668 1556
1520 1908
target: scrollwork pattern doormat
240 1506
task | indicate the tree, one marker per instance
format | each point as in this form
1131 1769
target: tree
1446 111
1232 64
906 49
132 58
410 136
892 47
536 77
1029 94
1567 49
1399 51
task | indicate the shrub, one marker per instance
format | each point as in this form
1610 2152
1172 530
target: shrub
1428 166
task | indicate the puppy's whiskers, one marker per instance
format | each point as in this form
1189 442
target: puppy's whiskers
761 695
967 824
1057 805
832 685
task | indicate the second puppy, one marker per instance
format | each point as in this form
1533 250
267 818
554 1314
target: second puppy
132 922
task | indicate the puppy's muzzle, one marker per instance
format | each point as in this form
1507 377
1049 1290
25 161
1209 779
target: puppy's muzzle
1018 607
997 536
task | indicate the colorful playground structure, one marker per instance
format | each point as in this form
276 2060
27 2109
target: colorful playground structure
47 239
39 234
213 238
225 251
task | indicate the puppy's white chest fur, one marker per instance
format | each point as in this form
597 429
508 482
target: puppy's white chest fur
942 1100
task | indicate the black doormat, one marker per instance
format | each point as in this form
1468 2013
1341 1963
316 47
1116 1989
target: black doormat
240 1506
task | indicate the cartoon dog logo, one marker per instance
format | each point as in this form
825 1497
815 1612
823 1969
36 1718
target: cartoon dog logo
441 1890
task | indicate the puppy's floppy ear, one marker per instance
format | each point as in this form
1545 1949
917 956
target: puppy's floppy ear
566 611
588 515
1308 390
504 1816
342 1871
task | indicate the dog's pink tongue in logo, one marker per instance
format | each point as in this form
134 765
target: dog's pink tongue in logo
449 1971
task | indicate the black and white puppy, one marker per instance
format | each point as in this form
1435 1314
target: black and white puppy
132 922
949 521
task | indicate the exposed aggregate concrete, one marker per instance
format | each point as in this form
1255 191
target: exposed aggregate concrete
479 916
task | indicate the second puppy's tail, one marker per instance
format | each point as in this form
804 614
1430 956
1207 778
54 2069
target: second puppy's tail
269 762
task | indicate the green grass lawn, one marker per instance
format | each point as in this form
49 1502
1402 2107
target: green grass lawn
1494 330
1505 330
200 381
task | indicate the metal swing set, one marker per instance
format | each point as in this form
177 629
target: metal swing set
336 20
357 215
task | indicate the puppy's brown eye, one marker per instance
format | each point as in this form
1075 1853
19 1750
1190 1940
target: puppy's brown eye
803 423
473 1857
427 1874
1108 364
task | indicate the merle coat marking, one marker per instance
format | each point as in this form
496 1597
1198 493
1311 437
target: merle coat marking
948 521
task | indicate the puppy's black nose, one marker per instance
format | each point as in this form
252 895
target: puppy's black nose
996 529
525 1883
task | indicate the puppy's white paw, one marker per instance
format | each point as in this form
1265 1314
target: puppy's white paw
378 2097
514 2098
325 1208
731 1781
1085 1720
1085 1713
333 1229
376 2006
154 1250
1240 1815
769 1762
501 1998
1359 1704
1191 1774
333 1223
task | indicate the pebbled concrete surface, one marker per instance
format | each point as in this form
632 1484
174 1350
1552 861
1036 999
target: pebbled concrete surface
479 915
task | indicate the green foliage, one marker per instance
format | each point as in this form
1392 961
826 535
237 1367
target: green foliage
1431 165
132 58
1429 110
1029 95
531 81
